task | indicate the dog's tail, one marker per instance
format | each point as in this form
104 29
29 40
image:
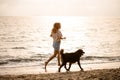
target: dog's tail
61 52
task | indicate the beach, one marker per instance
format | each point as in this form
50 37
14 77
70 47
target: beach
104 71
100 74
25 45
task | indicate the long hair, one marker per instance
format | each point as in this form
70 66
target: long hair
56 26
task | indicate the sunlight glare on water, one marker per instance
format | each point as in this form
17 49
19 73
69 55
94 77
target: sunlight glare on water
95 35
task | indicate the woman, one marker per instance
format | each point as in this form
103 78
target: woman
57 36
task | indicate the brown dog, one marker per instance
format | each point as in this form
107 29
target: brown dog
70 58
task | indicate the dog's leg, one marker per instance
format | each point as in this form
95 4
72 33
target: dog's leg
45 66
69 66
60 67
65 67
80 65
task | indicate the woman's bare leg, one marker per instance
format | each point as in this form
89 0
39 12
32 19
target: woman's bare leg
58 57
53 56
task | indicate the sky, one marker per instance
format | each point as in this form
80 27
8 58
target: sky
60 8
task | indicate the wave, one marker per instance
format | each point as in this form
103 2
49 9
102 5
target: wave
85 59
3 62
115 58
23 60
18 48
19 60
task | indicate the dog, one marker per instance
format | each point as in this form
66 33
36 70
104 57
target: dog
70 58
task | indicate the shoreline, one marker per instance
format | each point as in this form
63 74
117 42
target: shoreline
99 74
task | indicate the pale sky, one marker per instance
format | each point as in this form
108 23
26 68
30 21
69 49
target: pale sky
60 8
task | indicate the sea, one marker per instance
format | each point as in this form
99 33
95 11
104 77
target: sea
25 40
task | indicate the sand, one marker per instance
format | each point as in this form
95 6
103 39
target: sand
100 74
104 71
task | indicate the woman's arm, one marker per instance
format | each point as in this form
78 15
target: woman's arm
63 37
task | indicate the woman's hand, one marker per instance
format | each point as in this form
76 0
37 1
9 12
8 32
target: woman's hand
63 38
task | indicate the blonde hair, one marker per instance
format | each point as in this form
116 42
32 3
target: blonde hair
56 26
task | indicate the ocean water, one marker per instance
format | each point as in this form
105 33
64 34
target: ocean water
26 41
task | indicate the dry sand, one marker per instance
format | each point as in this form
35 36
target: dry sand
100 74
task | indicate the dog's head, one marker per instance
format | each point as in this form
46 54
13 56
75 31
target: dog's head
80 51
